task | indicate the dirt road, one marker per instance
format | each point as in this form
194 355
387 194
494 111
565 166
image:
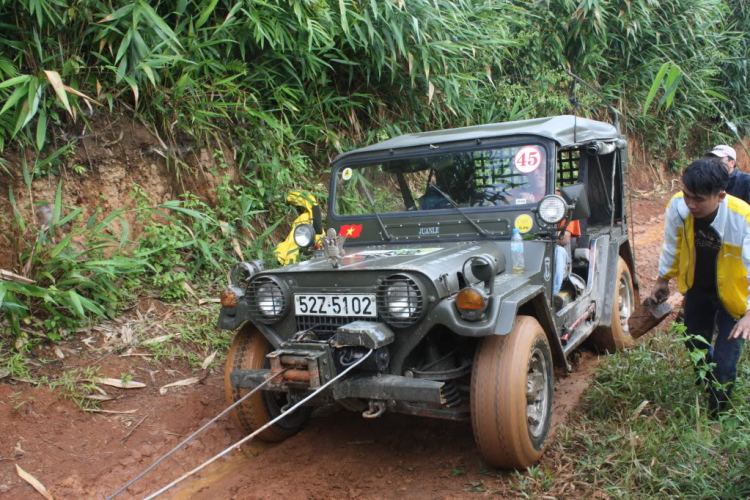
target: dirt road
339 455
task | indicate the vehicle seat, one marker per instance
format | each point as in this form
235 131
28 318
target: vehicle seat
432 200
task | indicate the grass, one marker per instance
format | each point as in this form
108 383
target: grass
194 337
76 385
191 338
643 432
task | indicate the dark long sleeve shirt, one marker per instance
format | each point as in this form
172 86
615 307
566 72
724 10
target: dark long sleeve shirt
739 185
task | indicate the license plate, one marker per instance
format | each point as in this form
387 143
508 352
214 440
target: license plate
335 305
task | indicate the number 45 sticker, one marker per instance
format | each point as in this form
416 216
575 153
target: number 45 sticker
528 159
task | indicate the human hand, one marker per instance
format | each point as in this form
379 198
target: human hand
741 329
660 291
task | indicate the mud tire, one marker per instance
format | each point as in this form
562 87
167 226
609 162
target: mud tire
616 336
508 435
248 352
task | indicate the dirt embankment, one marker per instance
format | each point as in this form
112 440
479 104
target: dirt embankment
100 170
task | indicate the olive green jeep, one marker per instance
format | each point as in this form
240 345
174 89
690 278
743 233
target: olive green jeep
416 274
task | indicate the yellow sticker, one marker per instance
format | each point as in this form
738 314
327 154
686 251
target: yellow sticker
346 174
524 223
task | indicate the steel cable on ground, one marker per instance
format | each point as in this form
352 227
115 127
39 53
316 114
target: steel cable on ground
217 417
258 431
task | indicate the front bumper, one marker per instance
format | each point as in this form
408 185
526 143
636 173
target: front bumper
365 386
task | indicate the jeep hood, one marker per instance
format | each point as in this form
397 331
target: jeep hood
432 259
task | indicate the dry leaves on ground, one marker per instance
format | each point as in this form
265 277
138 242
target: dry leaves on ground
117 412
179 383
156 340
122 384
208 360
34 482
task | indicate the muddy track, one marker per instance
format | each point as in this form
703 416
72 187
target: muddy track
338 455
342 455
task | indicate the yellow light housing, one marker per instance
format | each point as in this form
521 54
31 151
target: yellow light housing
470 299
228 298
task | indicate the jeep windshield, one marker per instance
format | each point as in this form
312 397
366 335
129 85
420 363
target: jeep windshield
498 177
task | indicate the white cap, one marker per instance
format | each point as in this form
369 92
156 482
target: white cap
723 151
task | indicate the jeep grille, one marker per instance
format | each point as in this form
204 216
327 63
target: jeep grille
327 325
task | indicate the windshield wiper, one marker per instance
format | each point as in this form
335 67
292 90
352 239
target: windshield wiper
466 216
386 234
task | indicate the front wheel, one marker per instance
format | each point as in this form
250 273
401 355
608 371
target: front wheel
617 335
512 386
248 352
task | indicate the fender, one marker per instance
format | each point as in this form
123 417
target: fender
626 252
530 301
607 282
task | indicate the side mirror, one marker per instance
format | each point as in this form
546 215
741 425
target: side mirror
317 219
575 195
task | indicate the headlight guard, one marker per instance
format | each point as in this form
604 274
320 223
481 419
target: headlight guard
401 300
268 298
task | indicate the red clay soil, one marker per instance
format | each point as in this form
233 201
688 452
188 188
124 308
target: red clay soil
77 455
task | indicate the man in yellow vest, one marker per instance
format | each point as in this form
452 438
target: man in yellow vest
707 248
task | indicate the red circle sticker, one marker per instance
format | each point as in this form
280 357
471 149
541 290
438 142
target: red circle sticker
528 159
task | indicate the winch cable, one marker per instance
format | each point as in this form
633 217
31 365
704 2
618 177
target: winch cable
217 417
250 436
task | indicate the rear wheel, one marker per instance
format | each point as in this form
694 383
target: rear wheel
248 352
512 386
617 335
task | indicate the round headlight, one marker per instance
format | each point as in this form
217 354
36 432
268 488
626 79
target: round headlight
552 209
400 300
304 235
266 299
270 300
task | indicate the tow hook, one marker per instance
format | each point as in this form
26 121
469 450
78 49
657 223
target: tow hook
376 409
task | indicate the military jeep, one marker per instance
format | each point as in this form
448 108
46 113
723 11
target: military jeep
416 272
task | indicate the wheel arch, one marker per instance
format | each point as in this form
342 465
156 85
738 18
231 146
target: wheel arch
531 302
618 249
626 251
537 308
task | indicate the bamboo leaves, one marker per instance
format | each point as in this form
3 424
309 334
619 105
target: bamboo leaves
54 79
212 64
28 101
41 129
674 75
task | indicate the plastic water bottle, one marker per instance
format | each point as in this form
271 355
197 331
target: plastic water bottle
516 250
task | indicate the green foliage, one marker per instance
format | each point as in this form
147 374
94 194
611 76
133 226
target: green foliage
78 385
294 80
643 430
74 267
77 270
171 286
186 238
195 337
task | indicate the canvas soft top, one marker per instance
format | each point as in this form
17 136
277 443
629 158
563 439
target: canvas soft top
566 130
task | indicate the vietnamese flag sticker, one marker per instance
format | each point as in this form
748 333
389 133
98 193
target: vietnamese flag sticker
351 231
